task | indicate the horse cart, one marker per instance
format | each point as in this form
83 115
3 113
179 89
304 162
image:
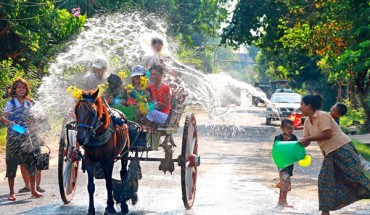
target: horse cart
74 155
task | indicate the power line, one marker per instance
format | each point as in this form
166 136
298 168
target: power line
28 18
28 4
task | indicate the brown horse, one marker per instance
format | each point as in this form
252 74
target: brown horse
103 142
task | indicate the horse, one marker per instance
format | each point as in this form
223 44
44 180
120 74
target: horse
103 141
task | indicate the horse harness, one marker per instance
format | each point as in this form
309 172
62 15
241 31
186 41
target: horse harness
101 139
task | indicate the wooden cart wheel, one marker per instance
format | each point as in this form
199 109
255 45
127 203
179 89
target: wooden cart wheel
189 161
68 164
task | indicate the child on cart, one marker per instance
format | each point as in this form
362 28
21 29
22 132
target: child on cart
287 127
160 95
115 94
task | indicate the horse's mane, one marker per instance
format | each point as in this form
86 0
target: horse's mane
101 108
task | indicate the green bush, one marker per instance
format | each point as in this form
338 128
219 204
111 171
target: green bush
353 116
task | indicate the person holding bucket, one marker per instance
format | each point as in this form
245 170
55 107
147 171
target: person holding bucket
341 179
19 144
287 127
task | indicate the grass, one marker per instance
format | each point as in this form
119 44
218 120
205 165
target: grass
363 149
3 131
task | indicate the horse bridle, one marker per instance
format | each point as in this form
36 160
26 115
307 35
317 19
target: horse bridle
94 123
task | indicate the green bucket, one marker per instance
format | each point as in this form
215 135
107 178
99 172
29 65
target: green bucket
129 111
285 153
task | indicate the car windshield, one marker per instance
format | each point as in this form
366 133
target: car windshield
284 90
286 98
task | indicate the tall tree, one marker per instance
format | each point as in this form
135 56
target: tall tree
335 32
30 32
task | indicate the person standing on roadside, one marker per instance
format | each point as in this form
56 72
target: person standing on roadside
19 146
341 180
337 111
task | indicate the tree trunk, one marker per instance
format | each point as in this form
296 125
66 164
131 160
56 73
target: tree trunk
339 96
366 106
362 87
352 95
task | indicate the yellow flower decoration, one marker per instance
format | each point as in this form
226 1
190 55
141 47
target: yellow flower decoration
75 92
141 98
142 103
122 74
144 82
129 88
143 107
102 88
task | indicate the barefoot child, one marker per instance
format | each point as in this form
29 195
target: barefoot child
287 127
19 146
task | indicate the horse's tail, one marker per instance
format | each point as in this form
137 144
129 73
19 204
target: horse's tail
121 139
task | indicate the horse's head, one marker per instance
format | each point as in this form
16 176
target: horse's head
89 112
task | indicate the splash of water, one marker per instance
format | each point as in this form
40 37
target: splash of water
124 40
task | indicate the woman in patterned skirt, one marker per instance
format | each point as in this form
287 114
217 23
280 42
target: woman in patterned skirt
341 179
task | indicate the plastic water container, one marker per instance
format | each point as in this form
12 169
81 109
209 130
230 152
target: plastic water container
285 153
305 162
117 101
18 128
42 158
151 106
133 94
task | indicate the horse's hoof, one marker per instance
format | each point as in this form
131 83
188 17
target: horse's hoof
91 212
124 208
109 210
134 199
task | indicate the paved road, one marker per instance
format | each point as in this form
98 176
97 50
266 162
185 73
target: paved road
236 176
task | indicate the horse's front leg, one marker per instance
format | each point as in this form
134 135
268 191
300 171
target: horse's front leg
108 169
123 174
91 187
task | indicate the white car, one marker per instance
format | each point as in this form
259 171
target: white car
282 105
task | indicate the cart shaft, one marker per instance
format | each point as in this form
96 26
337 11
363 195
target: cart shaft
151 159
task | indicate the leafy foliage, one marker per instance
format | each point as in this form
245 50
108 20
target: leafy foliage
363 149
31 33
352 116
333 34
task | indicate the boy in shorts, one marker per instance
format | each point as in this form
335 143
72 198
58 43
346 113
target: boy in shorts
287 128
